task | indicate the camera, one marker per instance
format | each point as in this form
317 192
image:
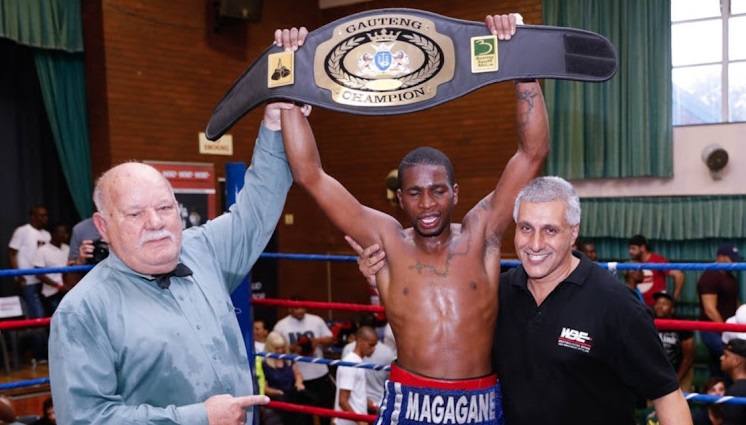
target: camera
100 251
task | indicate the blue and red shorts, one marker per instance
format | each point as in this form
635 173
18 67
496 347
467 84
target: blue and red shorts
412 399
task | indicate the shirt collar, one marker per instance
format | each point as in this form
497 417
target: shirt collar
117 264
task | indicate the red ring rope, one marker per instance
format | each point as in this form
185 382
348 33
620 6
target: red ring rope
311 410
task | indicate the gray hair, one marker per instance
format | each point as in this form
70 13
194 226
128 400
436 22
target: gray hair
547 189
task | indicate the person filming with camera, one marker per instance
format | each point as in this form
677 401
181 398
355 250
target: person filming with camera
86 247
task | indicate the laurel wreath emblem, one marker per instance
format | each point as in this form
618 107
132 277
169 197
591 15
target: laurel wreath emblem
432 64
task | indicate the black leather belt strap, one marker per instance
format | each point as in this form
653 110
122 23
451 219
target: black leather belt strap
396 61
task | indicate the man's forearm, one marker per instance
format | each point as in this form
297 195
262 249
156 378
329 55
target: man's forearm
531 119
678 284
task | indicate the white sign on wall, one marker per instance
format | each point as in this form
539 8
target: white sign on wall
222 146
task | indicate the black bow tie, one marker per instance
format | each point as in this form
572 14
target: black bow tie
164 280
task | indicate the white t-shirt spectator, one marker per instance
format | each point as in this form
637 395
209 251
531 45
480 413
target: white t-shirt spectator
51 256
26 240
374 379
353 380
313 327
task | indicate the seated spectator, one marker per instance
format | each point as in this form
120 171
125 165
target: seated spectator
282 381
48 418
679 345
733 362
712 414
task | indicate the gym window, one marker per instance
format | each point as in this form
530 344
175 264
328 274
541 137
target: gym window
708 56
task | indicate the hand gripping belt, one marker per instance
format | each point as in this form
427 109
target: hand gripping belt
533 52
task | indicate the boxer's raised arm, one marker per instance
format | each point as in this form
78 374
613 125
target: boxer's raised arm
344 210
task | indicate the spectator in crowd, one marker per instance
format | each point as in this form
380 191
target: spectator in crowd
22 248
588 248
86 247
308 334
260 335
283 382
48 417
679 345
654 281
711 414
150 334
733 362
352 395
718 300
374 379
632 278
53 254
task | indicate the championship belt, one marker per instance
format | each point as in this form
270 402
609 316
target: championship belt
396 61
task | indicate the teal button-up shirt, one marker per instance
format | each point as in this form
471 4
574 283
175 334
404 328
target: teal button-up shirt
124 351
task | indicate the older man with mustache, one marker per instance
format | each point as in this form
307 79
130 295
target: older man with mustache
150 334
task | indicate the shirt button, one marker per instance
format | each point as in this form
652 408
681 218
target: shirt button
181 297
214 356
198 327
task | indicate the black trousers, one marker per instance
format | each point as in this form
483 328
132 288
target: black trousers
320 393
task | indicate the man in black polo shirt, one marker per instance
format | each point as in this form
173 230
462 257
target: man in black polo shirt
572 344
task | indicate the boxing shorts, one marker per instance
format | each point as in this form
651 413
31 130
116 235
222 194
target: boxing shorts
412 399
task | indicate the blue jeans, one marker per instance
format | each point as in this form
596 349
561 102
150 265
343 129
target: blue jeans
714 343
32 295
35 309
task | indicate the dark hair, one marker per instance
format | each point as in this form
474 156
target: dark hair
48 404
59 224
711 382
297 297
640 240
367 319
36 207
425 155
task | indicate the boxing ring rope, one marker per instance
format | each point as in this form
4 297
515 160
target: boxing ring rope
327 362
613 266
311 410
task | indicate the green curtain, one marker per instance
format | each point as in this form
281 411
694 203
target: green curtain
55 29
45 24
620 128
683 229
62 81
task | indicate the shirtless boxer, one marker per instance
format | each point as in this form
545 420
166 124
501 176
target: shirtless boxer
440 282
